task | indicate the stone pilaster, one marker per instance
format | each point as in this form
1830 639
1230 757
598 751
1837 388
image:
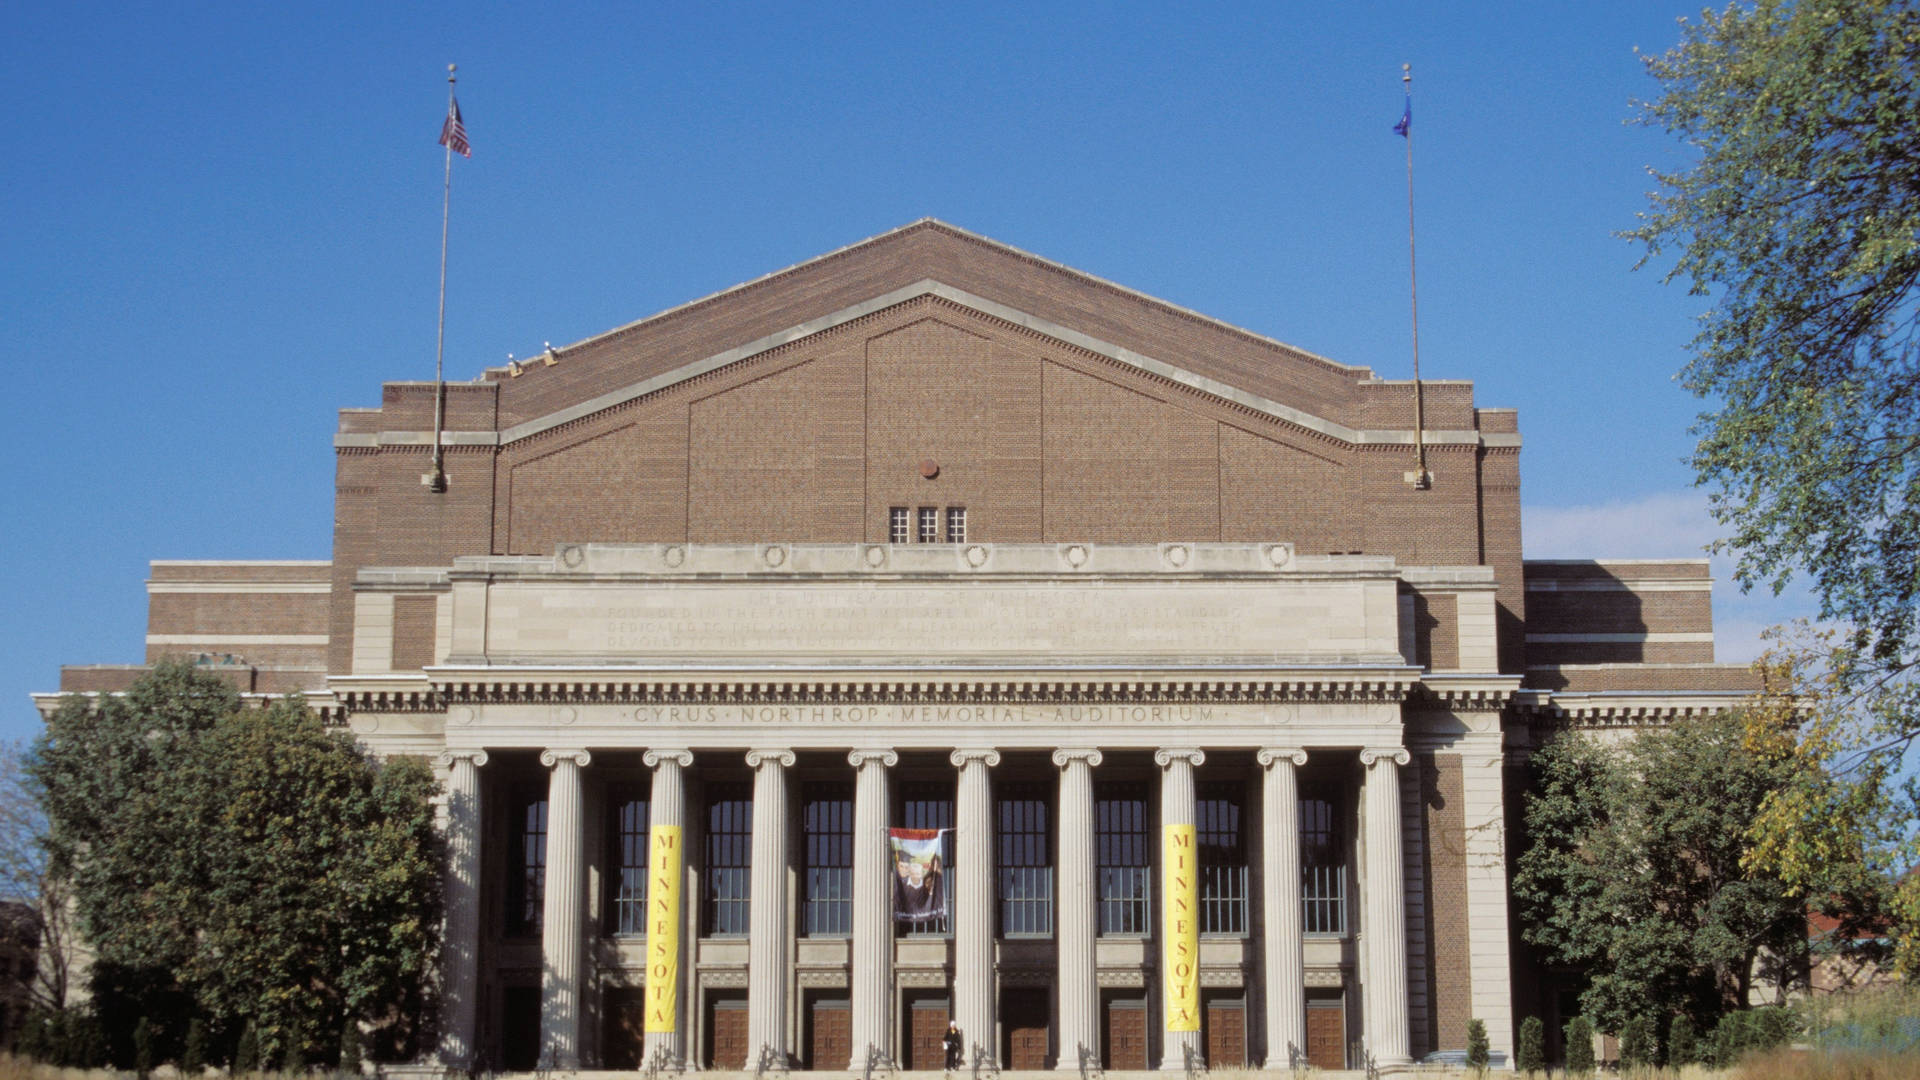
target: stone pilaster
564 917
1384 910
1178 806
1075 915
769 949
973 983
1285 994
667 806
461 958
872 907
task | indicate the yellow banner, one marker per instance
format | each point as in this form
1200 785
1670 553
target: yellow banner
1180 929
663 927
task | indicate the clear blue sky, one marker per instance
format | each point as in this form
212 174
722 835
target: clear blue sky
221 224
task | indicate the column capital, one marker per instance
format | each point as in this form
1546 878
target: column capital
446 758
550 758
1063 756
857 758
658 757
987 756
782 757
1166 757
1269 756
1396 754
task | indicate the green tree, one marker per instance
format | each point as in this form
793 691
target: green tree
1682 1045
285 878
1477 1046
1579 1040
1800 217
1532 1052
1632 875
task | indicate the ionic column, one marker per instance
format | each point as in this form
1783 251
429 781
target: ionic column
1384 912
973 904
768 953
1286 998
872 906
564 916
1180 896
667 807
1075 910
461 959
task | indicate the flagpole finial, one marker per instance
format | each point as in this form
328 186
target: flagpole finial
1406 73
451 68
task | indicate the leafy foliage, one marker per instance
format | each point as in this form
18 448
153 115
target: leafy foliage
1801 218
1531 1056
1477 1045
1633 876
247 861
1751 1031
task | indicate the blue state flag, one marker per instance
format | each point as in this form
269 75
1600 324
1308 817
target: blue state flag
1406 119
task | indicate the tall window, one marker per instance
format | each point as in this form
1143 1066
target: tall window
929 525
526 860
956 524
729 858
1121 857
1221 830
1024 867
929 805
826 818
627 863
897 525
1323 865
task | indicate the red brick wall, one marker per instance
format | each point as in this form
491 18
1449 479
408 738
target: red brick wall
1450 985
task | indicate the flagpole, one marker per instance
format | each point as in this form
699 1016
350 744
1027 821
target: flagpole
436 479
1421 479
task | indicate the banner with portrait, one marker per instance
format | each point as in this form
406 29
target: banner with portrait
919 874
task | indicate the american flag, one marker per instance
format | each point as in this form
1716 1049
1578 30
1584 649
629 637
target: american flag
453 133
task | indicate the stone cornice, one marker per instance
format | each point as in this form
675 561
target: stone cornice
442 687
1465 693
1623 709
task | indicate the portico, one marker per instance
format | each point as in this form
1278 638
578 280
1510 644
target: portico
1061 708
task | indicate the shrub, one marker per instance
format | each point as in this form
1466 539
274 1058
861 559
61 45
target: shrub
246 1056
350 1047
143 1048
1579 1037
193 1056
1532 1053
1637 1046
1476 1045
1682 1048
1748 1031
294 1061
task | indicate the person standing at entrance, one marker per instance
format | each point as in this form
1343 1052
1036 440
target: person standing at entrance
953 1045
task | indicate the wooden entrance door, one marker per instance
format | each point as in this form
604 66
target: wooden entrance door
727 1033
623 1037
1024 1017
830 1042
1125 1038
1226 1038
1327 1033
926 1027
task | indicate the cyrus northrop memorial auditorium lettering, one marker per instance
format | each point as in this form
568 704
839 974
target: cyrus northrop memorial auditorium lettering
1202 711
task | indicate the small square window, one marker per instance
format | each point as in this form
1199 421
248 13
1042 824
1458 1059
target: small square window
956 524
897 525
929 525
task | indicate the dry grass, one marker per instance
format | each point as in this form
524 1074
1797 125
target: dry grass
1819 1065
